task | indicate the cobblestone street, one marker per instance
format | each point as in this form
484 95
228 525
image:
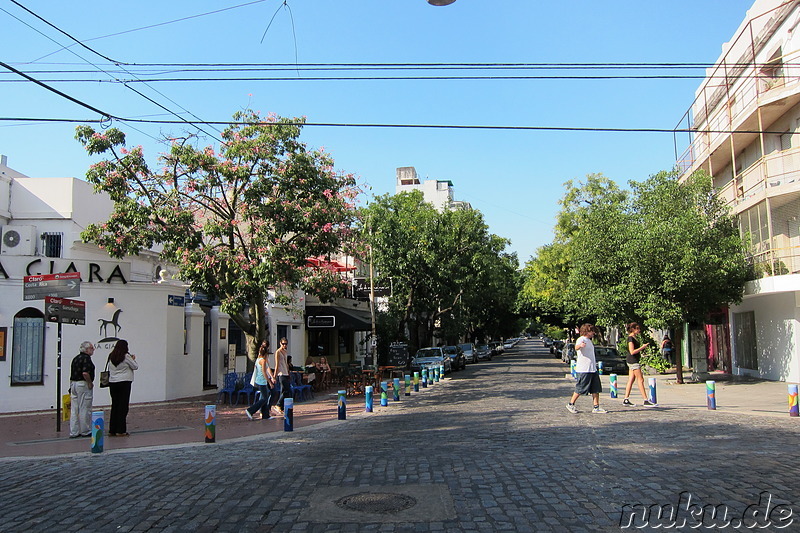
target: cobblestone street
491 449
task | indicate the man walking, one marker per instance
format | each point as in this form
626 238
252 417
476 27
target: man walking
586 368
81 383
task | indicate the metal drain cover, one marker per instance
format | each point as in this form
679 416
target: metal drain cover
377 502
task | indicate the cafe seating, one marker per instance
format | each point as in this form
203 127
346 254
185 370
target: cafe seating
248 390
229 387
300 390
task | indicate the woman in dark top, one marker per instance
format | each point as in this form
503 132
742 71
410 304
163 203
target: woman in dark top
666 349
634 369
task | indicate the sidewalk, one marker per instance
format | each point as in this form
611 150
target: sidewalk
178 422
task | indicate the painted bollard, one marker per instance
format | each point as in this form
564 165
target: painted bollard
441 370
572 369
794 409
384 394
342 404
416 381
211 423
600 368
98 424
396 390
436 374
612 380
407 388
711 395
368 399
424 378
652 390
288 414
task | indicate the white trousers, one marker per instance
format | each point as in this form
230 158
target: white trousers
80 418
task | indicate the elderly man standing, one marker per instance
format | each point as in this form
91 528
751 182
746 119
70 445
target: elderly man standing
81 383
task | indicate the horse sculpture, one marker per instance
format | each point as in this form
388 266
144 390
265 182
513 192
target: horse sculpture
114 322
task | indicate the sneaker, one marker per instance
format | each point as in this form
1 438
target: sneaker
648 403
628 403
571 408
598 409
248 414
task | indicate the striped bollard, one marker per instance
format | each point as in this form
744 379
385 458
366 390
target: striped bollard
711 395
794 410
211 423
436 374
612 379
98 424
652 383
407 388
441 370
600 368
384 394
424 378
572 369
342 403
416 381
368 399
396 390
288 414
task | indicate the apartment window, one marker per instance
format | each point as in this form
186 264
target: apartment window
27 350
51 244
772 71
786 140
745 340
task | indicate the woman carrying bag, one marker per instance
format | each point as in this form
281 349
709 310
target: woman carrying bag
120 379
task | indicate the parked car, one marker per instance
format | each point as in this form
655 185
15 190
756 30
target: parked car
548 342
484 352
556 348
469 352
496 348
430 357
568 352
458 361
508 344
613 362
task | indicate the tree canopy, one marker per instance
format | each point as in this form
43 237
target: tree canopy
240 222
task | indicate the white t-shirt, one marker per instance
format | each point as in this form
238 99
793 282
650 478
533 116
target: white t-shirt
585 361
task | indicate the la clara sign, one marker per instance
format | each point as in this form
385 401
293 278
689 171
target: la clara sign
90 271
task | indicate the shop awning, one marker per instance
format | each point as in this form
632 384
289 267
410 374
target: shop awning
318 317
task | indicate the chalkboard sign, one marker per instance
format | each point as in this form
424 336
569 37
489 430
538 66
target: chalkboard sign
398 355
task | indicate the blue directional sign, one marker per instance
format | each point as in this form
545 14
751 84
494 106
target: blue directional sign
177 301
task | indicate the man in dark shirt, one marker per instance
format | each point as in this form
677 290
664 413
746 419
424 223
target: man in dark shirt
81 383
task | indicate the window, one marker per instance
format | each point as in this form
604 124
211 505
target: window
786 140
52 244
745 340
27 351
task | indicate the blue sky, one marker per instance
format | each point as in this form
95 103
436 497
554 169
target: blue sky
514 177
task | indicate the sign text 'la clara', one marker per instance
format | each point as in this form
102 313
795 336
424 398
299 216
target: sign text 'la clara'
91 271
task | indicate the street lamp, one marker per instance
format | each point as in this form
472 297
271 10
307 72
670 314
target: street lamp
440 2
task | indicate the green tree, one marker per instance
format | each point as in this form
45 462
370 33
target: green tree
239 223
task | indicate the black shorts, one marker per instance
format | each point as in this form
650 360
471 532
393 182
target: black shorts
588 383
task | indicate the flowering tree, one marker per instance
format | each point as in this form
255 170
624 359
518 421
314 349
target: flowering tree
238 223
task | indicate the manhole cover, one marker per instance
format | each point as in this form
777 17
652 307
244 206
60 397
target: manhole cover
376 502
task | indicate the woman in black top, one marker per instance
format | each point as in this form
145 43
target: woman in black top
635 371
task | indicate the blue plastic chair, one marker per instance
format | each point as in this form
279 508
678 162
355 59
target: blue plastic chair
300 391
247 390
229 387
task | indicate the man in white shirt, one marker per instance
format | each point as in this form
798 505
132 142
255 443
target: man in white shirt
586 368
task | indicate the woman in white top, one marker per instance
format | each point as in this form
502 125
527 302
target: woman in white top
122 365
264 382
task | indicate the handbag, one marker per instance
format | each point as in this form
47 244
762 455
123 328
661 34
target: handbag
105 375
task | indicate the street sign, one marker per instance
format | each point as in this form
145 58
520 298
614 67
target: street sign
177 301
65 311
56 285
322 322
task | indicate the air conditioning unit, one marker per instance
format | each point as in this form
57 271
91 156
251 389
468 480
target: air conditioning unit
18 240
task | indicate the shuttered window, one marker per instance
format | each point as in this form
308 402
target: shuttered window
27 351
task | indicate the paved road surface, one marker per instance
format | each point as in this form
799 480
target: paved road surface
492 449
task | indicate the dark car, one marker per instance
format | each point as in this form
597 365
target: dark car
613 362
458 361
484 352
568 352
431 357
496 348
556 348
469 352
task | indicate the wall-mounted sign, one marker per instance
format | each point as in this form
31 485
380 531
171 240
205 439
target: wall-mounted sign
57 285
3 332
322 322
177 301
65 311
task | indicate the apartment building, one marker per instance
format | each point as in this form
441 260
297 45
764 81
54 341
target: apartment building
436 192
744 130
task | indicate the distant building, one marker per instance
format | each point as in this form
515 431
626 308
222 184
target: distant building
436 192
745 133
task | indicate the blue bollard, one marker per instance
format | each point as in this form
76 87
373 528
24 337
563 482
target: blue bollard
396 390
368 399
436 374
384 394
600 368
424 380
407 388
652 383
342 404
98 425
416 381
612 379
288 414
711 395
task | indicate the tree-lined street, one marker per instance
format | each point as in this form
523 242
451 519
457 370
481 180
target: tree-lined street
490 449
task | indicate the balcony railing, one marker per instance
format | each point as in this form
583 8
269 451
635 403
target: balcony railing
777 262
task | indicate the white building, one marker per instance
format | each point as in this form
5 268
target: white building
745 123
182 344
436 192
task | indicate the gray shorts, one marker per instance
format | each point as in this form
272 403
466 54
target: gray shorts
588 383
634 366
